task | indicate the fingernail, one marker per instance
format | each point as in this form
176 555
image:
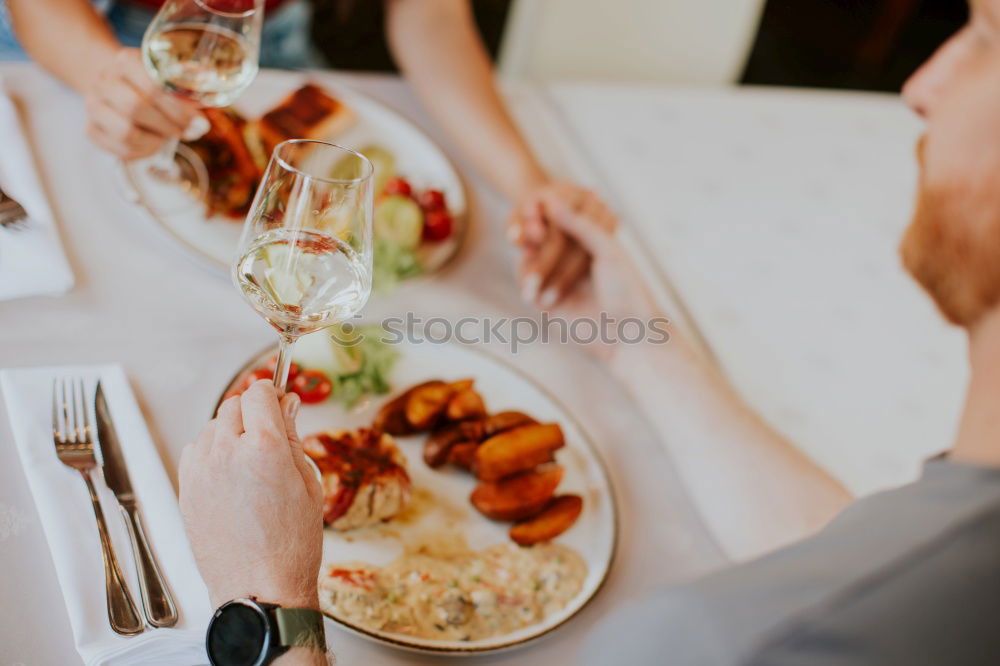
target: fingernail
197 128
292 406
529 290
548 298
513 234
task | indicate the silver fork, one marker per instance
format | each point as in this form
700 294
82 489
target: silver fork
74 440
12 214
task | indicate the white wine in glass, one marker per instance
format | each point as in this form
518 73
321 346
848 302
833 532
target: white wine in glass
210 64
207 51
305 257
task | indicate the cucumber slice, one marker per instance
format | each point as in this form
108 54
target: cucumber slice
399 220
383 161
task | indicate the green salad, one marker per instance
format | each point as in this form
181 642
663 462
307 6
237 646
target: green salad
355 359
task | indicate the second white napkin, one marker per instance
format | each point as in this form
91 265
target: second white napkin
32 262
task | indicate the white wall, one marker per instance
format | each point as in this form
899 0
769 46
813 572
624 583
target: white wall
687 41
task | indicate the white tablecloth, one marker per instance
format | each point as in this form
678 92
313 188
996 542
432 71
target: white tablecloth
181 332
774 213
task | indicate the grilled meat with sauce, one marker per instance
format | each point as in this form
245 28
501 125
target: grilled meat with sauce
364 476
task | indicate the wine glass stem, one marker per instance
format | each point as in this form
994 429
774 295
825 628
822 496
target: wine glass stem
164 160
284 362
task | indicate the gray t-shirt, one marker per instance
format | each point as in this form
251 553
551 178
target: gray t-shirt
908 577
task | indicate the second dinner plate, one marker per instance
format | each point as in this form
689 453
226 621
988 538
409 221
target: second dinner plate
213 241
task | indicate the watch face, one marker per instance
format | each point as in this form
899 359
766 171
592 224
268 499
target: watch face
237 636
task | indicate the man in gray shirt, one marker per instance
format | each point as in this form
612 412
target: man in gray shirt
907 577
910 576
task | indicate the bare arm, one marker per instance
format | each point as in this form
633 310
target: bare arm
127 112
85 40
755 490
437 46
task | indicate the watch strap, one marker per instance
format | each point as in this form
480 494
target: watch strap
300 627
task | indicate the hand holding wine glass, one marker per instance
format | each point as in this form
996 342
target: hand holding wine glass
305 257
205 51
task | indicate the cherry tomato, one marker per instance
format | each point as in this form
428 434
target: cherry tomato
312 386
437 225
431 200
398 186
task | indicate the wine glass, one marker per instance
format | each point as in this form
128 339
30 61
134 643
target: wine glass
207 51
305 255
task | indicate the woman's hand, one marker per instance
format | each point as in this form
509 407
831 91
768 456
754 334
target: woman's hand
552 264
252 505
130 115
577 232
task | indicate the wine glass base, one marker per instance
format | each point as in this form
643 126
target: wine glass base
177 188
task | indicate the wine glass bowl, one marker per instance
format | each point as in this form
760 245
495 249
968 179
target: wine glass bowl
205 50
305 254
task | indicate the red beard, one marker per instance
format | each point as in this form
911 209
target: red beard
952 247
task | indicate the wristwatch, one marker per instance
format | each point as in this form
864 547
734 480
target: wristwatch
246 632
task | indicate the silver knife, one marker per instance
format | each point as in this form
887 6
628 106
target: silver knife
156 600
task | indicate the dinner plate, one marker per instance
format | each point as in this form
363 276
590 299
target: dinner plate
213 241
445 491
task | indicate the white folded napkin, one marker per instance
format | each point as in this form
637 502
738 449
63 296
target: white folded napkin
32 262
67 519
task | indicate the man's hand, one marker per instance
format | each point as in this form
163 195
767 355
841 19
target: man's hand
252 505
552 264
130 115
579 232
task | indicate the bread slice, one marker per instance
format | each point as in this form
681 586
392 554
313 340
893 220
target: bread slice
308 113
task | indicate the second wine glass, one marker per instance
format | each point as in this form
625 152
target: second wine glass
305 255
207 51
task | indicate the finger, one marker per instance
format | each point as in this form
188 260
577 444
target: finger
289 410
572 268
290 403
591 233
179 112
229 420
206 436
118 147
538 270
187 453
515 233
261 413
530 224
123 134
141 110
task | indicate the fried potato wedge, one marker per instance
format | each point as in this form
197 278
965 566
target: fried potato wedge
463 454
556 518
519 496
426 403
502 421
484 428
460 385
438 446
392 417
516 450
465 404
